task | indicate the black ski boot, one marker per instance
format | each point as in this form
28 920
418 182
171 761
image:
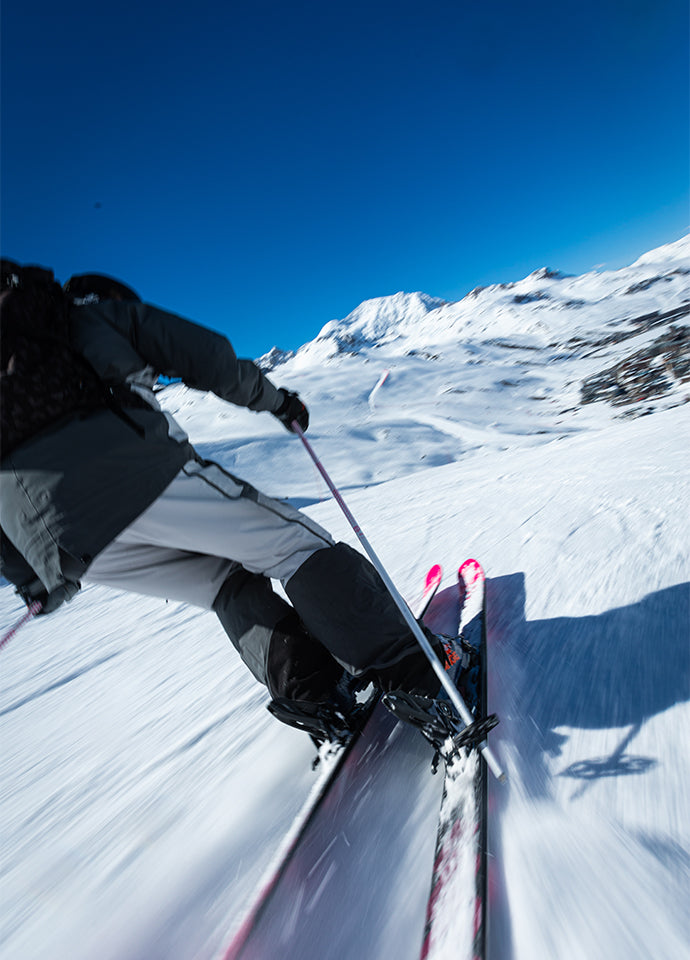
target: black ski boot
322 721
439 722
434 714
328 721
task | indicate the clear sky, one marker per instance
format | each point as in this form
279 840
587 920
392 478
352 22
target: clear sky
264 166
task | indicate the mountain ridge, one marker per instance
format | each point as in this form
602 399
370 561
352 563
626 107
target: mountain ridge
464 379
658 280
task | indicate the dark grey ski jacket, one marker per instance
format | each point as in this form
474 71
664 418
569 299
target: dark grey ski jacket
66 493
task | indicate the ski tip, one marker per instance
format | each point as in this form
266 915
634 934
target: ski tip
470 571
434 575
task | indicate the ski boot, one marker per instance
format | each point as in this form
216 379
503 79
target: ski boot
435 715
332 721
322 721
462 661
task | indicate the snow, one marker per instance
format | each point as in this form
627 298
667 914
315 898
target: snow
145 788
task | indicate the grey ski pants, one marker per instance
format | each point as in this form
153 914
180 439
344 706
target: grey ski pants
209 530
205 523
214 541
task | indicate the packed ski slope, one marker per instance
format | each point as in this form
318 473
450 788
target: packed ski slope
145 788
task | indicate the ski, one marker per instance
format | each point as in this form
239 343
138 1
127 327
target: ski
456 925
431 585
342 763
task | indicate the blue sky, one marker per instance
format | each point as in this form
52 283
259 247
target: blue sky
264 166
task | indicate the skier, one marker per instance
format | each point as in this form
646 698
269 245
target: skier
99 485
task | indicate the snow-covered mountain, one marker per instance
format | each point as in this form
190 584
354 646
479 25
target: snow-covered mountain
512 363
545 309
541 426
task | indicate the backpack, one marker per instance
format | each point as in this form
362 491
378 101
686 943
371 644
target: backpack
42 377
94 287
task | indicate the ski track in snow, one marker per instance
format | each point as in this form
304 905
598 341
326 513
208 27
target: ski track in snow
145 789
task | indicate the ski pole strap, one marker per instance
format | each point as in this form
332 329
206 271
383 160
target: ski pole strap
417 631
34 608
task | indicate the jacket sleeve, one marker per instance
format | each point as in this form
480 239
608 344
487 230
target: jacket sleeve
13 566
201 358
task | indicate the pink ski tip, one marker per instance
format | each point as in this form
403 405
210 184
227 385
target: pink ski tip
433 577
471 571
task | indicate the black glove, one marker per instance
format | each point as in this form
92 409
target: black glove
291 409
36 592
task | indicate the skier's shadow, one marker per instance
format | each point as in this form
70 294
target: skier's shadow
616 669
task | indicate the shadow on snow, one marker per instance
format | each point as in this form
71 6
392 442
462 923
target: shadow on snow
617 669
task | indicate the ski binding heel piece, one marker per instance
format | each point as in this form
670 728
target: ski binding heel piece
434 718
439 723
320 721
474 735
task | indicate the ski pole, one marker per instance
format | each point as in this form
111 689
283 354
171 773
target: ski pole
417 631
34 608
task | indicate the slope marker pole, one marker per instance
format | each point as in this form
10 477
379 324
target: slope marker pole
445 680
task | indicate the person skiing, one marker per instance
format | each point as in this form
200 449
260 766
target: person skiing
99 485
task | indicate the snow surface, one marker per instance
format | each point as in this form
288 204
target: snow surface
145 789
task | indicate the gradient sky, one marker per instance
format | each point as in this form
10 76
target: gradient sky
264 166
